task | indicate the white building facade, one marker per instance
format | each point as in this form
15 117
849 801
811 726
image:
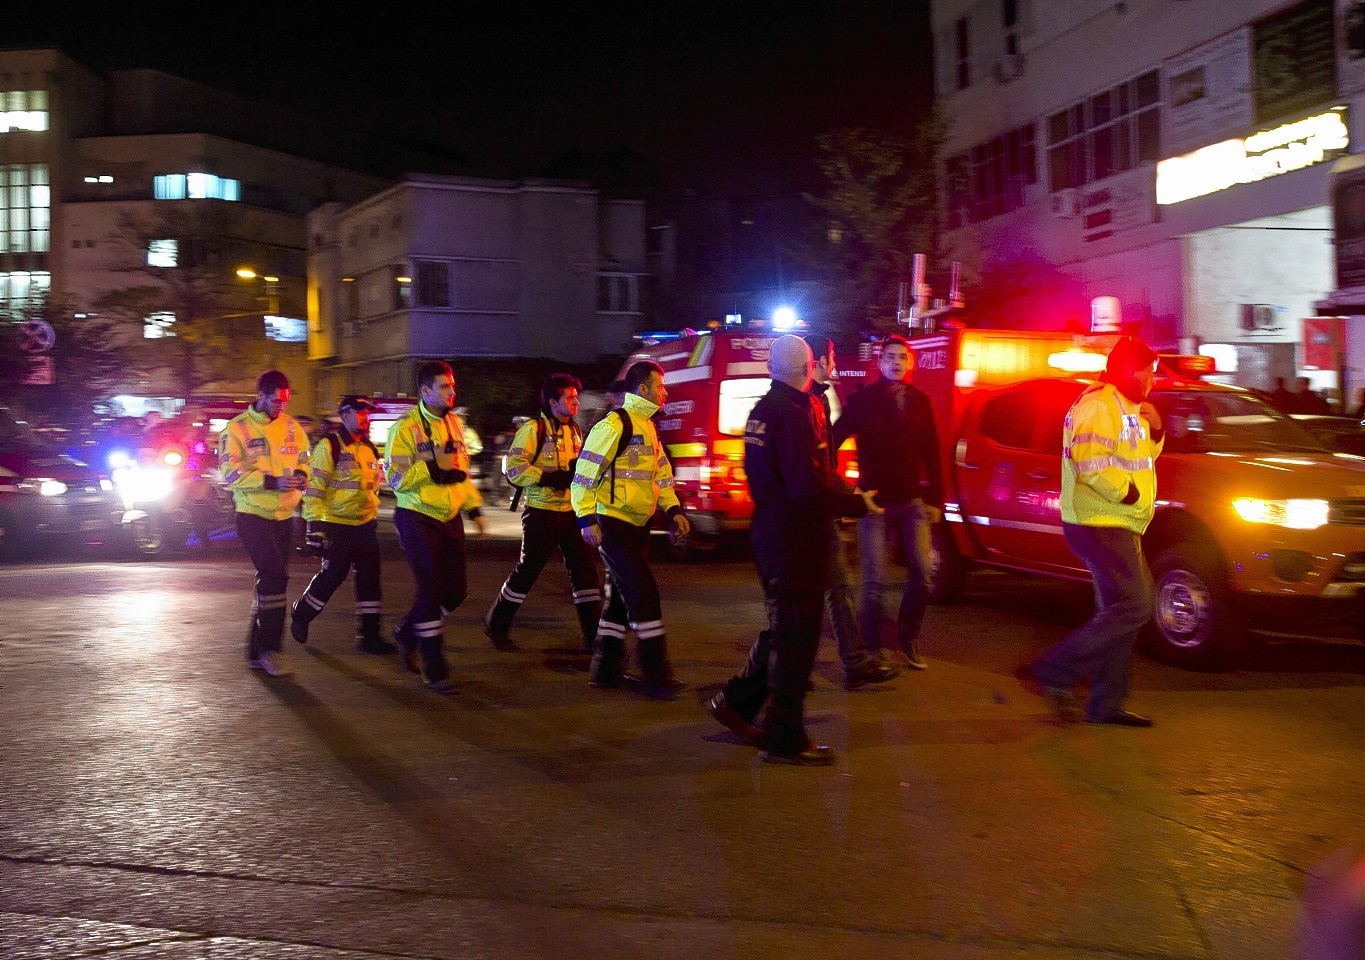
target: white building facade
437 267
1175 154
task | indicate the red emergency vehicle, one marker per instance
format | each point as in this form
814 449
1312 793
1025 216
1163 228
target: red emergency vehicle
714 378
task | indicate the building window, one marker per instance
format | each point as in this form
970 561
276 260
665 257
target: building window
23 110
1009 17
158 325
25 208
1105 134
20 290
401 289
963 53
195 186
163 253
989 179
618 293
432 282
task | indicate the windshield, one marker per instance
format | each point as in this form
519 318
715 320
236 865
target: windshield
16 437
1206 422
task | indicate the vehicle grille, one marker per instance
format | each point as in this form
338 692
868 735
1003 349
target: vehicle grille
1349 513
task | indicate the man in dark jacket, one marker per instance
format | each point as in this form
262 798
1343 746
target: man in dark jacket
898 457
796 498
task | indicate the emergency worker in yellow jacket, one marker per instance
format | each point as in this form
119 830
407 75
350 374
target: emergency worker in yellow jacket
615 491
263 456
1111 439
427 465
540 462
341 507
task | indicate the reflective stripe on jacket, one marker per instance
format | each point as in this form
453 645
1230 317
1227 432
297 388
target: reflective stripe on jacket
643 475
417 438
347 491
560 444
1106 445
253 446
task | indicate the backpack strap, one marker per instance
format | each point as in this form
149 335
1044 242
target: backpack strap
622 442
540 442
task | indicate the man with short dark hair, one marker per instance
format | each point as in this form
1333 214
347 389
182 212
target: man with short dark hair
541 462
1111 438
263 456
898 456
341 507
859 668
427 464
615 492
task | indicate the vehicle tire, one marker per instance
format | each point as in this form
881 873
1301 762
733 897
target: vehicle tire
1194 623
947 573
148 535
692 548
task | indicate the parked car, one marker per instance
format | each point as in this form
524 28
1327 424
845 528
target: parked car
48 497
1340 434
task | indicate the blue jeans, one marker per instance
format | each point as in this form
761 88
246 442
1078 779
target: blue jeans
1102 647
900 522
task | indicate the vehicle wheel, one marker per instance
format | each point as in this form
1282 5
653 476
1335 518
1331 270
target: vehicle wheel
1194 624
693 547
947 571
149 535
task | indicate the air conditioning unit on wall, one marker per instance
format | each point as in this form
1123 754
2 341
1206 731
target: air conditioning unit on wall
1259 316
1064 204
1007 67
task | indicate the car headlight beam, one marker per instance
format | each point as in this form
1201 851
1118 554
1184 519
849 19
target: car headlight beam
1293 514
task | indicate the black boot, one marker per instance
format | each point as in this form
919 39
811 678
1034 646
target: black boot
587 622
371 637
608 651
498 623
301 613
657 680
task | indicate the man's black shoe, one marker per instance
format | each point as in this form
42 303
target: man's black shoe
376 646
298 629
729 718
870 672
1126 718
814 755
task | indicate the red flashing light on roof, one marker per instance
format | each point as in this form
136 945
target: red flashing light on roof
1188 364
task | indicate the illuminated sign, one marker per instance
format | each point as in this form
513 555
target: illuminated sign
286 329
1265 154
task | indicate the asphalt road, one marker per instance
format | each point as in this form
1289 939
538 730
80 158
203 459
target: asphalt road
158 799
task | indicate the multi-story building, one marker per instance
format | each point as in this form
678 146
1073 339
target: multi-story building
92 164
439 266
1173 154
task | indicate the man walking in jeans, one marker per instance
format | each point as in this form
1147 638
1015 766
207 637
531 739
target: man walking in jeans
1110 441
859 668
898 456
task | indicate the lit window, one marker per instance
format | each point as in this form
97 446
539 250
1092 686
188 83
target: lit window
25 199
158 325
195 186
163 253
19 290
23 110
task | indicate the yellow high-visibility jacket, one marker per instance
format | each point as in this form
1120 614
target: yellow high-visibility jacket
346 491
252 447
643 479
418 438
1107 446
524 465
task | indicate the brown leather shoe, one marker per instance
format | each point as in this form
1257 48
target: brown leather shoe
729 718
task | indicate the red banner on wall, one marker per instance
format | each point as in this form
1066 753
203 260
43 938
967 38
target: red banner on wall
1321 342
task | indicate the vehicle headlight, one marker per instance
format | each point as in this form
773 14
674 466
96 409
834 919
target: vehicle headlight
1295 514
46 488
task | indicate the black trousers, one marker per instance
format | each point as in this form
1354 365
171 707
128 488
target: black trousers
632 599
542 531
436 554
778 668
348 547
267 543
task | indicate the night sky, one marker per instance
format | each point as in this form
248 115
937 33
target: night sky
717 98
